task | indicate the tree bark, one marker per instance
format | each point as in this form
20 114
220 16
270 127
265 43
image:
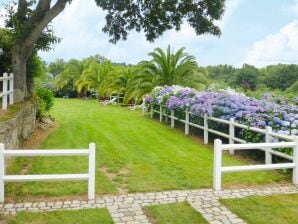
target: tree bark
23 48
19 64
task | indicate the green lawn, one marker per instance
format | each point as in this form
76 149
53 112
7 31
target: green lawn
133 153
86 216
275 209
175 213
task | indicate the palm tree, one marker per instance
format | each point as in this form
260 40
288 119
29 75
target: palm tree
122 76
67 78
139 85
96 76
166 68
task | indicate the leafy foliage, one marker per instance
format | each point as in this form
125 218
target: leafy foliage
246 77
45 101
278 79
67 78
21 19
97 74
280 76
6 42
155 17
221 72
56 67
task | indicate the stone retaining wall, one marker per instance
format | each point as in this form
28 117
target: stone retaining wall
19 128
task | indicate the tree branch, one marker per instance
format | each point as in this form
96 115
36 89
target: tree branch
22 9
43 5
40 23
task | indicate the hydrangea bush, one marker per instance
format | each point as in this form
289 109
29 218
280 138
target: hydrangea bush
226 104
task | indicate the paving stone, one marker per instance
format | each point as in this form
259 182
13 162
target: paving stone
127 218
8 206
127 209
215 222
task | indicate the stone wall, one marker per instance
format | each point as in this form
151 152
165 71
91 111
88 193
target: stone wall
18 128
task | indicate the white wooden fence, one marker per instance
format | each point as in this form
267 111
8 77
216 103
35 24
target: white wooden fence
269 134
90 176
7 90
268 147
219 169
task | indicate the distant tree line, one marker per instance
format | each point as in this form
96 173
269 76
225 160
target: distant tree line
78 78
281 78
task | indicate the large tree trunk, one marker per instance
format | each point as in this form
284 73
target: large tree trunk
19 63
23 47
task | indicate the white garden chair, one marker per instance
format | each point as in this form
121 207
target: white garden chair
111 101
135 107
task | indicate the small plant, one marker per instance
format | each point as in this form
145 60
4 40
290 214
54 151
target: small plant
45 101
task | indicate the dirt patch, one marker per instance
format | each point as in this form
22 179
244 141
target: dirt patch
26 167
109 175
119 179
44 127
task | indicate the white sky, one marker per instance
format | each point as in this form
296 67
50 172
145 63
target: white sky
255 32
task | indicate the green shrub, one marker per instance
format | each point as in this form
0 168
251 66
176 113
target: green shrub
45 101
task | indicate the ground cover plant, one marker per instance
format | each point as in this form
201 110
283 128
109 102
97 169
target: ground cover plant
262 210
84 216
176 213
134 154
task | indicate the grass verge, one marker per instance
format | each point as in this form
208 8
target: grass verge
175 213
265 209
85 216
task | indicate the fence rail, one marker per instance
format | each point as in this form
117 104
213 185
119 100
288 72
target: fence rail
268 147
218 169
90 176
269 134
7 90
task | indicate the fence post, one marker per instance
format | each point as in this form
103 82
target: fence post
2 171
232 134
217 165
11 89
172 119
151 111
186 122
160 113
91 180
268 139
4 91
205 129
143 106
295 161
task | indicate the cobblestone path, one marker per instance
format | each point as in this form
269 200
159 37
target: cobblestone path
127 209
